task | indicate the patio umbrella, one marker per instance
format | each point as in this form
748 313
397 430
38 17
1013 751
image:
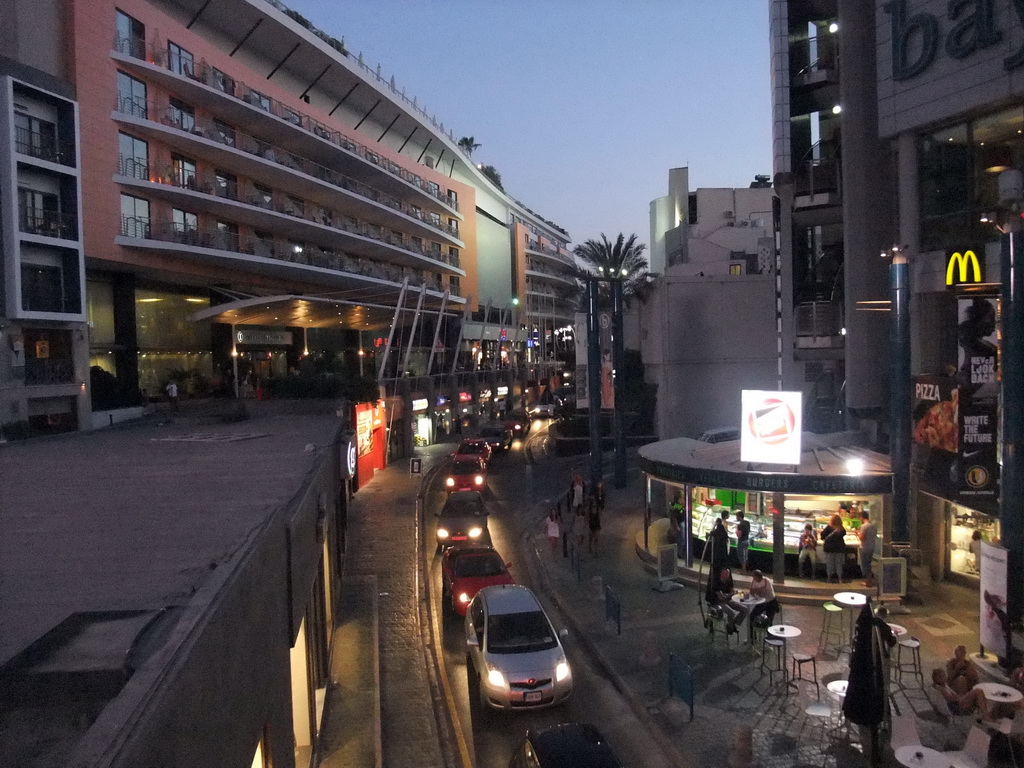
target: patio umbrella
865 691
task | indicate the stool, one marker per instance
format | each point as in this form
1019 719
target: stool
776 645
913 665
799 659
831 625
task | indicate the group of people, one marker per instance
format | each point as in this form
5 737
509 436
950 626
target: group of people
579 518
721 593
833 545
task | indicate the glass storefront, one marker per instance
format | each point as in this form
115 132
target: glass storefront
170 344
967 529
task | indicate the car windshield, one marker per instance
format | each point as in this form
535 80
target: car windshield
479 566
465 467
492 432
520 633
471 448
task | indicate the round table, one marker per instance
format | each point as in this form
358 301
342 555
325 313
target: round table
999 693
750 603
784 632
918 756
850 600
897 630
838 687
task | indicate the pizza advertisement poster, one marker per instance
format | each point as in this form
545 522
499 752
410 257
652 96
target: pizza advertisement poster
936 413
770 427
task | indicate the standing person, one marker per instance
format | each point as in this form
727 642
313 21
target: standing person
172 394
593 523
565 525
868 535
835 549
808 551
599 495
577 493
579 529
742 539
719 538
552 528
975 549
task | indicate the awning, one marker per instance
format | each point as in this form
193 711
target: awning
301 312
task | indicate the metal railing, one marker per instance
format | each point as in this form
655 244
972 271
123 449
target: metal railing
39 145
49 223
223 240
208 75
49 371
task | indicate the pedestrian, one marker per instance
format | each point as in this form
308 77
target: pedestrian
719 539
599 495
172 394
577 493
552 527
593 523
808 551
868 535
742 539
565 518
579 529
834 547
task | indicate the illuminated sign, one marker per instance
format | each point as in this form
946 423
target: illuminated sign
502 391
267 338
771 426
441 400
419 404
465 397
963 266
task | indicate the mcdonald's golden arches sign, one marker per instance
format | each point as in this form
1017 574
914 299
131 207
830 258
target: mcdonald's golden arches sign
963 268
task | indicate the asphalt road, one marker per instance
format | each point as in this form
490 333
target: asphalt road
520 482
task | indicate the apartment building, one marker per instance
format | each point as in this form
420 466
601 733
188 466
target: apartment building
256 193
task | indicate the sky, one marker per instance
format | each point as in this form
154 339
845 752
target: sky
582 106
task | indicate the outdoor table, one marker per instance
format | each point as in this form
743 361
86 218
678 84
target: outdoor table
750 603
850 600
897 630
838 687
918 756
999 693
784 632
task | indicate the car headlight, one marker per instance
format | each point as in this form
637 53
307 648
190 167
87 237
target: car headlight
479 479
463 597
517 427
450 482
561 671
495 678
442 533
474 533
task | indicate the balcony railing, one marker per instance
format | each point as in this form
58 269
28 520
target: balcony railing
248 193
211 130
49 371
44 147
172 232
819 318
49 223
213 77
537 247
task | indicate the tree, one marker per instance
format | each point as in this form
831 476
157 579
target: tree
622 259
492 173
468 145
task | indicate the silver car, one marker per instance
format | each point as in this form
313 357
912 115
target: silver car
515 658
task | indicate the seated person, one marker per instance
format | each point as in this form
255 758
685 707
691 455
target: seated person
959 703
761 586
961 673
722 593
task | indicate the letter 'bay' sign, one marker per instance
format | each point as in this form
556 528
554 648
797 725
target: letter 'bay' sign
963 268
916 37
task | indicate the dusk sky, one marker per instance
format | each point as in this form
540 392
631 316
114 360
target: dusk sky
581 105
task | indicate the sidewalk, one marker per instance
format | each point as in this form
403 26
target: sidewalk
729 690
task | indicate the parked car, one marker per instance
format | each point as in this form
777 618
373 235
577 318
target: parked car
568 745
498 436
467 473
467 570
515 658
720 435
462 520
474 446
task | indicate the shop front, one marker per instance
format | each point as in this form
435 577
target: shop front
422 423
371 437
442 417
689 484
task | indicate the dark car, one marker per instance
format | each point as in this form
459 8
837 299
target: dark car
462 520
497 436
569 745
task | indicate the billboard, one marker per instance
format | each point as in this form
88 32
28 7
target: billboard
995 625
580 331
770 427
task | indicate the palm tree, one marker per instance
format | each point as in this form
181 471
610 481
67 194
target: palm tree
492 173
468 145
622 259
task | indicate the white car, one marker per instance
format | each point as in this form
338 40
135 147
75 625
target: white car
515 658
542 410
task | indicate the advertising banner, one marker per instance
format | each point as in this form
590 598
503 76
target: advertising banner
580 331
771 426
604 323
978 355
978 470
995 625
935 413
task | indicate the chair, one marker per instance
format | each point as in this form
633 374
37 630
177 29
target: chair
975 751
912 646
715 618
799 659
831 625
776 646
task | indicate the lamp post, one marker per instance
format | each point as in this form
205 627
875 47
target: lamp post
899 392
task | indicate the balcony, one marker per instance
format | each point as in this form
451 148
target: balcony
536 271
814 61
818 329
48 223
291 217
44 147
536 249
278 166
49 371
210 88
266 256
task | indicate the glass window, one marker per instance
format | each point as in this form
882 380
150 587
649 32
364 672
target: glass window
227 236
35 137
134 156
99 310
42 288
224 133
179 60
295 206
39 211
735 269
130 37
221 81
997 147
291 116
257 99
131 96
181 115
185 223
226 184
164 321
184 171
263 196
134 216
946 187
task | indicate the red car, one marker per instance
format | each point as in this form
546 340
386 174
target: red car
467 473
474 446
467 570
